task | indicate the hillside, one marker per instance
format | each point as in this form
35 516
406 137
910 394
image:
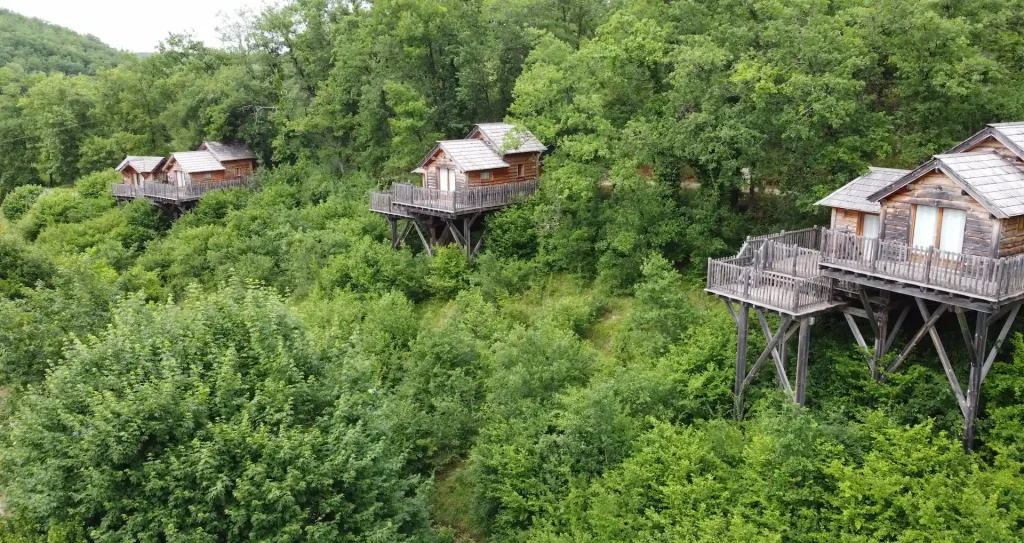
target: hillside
39 46
268 367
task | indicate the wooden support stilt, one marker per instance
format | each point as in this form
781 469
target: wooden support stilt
803 347
925 328
768 350
778 353
943 357
423 238
466 237
975 379
896 328
404 234
741 358
777 350
1007 325
965 329
393 227
476 248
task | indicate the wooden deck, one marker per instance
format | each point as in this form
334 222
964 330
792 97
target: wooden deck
772 290
405 199
984 278
169 193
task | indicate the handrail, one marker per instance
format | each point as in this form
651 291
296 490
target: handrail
468 199
773 289
994 278
173 192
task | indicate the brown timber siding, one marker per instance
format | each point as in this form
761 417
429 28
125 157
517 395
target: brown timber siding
937 190
1011 239
531 169
847 220
238 168
992 144
441 160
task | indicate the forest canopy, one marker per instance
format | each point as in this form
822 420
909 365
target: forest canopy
268 367
37 46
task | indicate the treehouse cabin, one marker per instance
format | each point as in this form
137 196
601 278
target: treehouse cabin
946 238
139 170
177 182
494 166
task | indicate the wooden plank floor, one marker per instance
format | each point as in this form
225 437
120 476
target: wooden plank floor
775 299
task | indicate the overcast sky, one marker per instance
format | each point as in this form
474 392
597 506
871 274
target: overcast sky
134 25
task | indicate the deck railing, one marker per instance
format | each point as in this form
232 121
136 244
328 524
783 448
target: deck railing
806 238
993 278
462 200
172 192
381 202
776 290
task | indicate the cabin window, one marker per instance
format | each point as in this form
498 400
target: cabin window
519 170
207 176
446 179
485 176
939 227
869 225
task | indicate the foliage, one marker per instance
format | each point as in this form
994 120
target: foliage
38 46
269 367
222 397
19 201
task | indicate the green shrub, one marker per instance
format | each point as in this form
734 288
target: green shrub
20 266
59 207
448 270
97 184
19 201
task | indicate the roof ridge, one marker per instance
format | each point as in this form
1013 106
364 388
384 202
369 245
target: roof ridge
882 168
972 153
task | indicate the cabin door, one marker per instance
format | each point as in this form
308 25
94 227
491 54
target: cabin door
181 178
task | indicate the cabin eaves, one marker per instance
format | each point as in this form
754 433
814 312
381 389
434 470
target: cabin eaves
992 180
468 155
141 164
501 134
225 152
1011 135
854 195
197 161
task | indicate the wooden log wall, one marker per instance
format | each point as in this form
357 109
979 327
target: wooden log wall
529 163
937 190
1011 237
441 160
847 220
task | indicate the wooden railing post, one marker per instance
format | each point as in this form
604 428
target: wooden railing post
928 265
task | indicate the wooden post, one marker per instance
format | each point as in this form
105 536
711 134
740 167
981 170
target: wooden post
976 377
393 224
803 345
741 358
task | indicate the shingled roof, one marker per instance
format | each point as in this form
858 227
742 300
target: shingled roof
854 195
228 151
468 155
141 164
1011 135
500 134
197 161
990 178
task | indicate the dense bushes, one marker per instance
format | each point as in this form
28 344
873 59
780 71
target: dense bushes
213 417
19 201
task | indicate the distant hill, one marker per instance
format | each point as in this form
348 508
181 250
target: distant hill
40 46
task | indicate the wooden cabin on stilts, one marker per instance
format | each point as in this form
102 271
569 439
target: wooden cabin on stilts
175 184
945 240
494 166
